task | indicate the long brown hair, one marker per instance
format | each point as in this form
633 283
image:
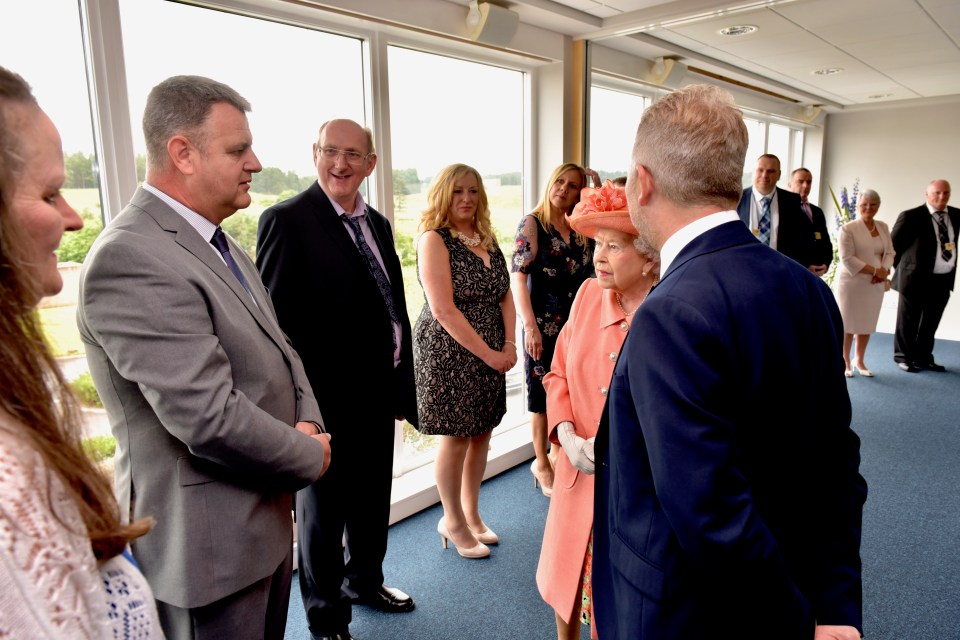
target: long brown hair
440 197
33 391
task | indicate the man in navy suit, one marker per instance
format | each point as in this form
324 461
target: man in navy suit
925 240
329 261
729 497
822 255
774 215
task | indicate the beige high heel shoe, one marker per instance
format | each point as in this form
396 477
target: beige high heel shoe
487 536
547 491
479 551
862 370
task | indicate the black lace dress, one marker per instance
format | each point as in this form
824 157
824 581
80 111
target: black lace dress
457 394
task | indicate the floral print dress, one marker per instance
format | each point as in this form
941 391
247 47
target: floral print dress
555 272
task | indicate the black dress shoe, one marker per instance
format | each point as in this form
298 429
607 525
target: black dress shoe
386 599
933 366
906 366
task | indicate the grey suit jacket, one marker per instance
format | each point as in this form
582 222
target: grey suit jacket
202 390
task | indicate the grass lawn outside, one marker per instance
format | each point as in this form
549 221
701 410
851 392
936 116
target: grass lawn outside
60 327
506 210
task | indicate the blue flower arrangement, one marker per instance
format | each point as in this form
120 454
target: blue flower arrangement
846 211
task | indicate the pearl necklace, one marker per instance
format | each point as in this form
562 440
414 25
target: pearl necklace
645 293
470 241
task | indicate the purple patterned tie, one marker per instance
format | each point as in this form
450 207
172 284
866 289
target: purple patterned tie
375 270
219 240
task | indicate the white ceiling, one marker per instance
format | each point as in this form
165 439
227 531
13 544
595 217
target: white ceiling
889 50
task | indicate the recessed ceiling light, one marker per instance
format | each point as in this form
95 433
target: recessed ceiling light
878 96
827 71
739 30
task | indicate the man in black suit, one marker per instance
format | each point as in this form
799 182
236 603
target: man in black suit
925 240
333 273
800 182
774 215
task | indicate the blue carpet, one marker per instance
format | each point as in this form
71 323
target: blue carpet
910 444
911 524
460 599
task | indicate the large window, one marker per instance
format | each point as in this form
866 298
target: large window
294 78
614 116
444 111
54 66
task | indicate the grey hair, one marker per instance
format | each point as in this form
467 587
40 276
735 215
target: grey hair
870 193
693 142
179 106
641 245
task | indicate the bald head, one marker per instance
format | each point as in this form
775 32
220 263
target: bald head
938 194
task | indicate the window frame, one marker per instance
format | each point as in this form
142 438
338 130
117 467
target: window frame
100 23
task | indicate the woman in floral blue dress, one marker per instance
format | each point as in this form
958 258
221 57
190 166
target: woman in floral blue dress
550 262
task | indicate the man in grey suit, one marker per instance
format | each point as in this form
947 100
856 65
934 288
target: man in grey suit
216 424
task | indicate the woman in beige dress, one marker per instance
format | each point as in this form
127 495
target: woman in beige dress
866 256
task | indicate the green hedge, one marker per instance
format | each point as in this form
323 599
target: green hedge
100 448
87 393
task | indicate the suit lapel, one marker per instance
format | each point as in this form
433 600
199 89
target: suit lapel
333 228
188 238
385 248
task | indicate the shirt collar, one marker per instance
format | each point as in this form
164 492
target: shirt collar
359 208
202 226
759 196
610 311
675 243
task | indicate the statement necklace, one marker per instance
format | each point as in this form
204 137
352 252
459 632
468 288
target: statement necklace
470 241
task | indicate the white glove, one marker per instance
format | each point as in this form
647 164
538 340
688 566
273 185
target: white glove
579 451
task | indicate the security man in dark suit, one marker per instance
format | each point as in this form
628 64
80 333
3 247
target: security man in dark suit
774 215
925 240
800 181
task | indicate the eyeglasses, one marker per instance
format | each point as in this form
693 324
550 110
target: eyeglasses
352 157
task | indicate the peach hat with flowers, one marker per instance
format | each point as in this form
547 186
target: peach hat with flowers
602 208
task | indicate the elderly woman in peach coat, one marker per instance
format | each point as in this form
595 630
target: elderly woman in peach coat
576 386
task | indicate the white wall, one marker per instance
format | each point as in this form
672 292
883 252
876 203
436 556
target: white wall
896 151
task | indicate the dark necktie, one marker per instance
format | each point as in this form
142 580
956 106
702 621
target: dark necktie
945 253
219 240
375 270
764 224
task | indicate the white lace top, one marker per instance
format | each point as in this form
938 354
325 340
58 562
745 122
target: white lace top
50 586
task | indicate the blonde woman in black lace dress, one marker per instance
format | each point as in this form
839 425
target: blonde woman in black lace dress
461 348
